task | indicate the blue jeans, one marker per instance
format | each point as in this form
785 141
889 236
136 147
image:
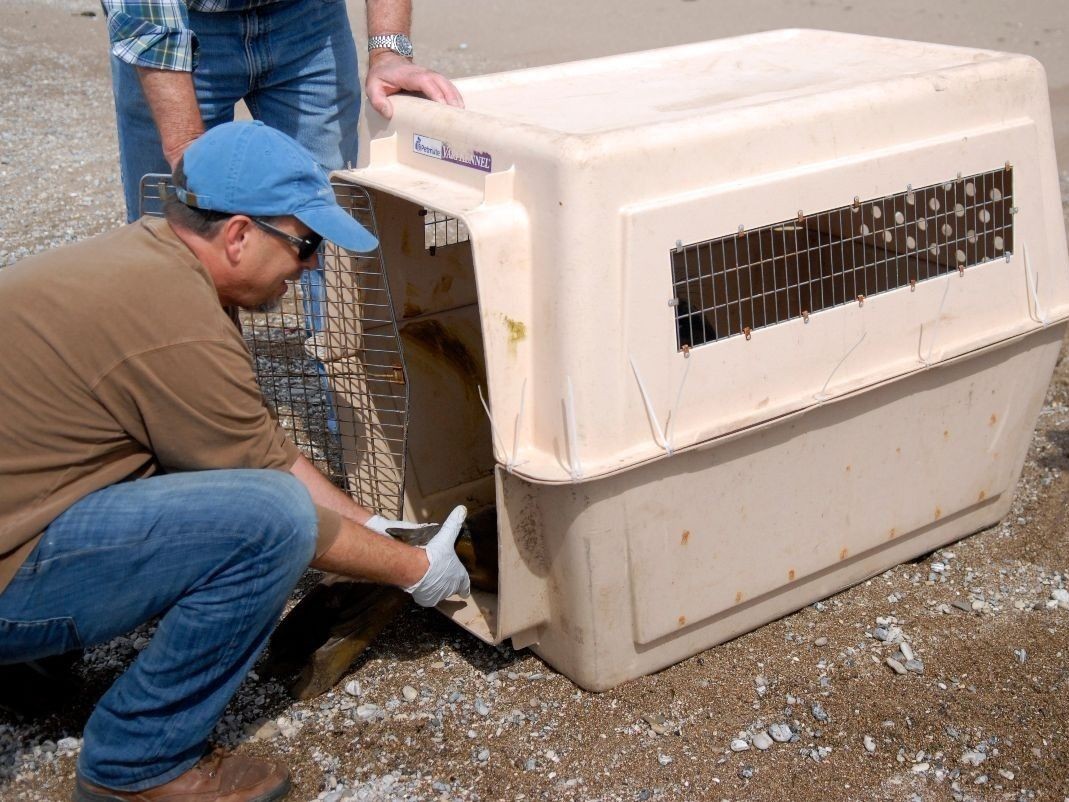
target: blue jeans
293 63
215 553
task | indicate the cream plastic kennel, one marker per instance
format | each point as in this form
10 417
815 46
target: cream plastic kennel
754 319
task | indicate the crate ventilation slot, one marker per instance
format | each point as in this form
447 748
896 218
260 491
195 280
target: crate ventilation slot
763 276
440 230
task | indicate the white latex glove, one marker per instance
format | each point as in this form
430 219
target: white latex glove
446 575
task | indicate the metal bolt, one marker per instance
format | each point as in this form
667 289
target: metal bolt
861 300
742 229
1014 210
913 285
679 245
805 315
686 351
857 203
1009 166
673 302
801 215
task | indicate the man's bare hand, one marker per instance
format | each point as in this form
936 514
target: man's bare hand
390 73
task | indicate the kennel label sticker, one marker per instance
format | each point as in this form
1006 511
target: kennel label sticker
437 149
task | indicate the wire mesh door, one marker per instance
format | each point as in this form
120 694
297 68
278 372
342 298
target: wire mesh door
329 362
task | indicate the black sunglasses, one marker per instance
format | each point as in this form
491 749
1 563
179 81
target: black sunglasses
306 246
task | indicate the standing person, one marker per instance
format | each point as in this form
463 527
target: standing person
141 475
180 67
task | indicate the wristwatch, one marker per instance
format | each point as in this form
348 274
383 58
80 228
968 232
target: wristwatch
397 42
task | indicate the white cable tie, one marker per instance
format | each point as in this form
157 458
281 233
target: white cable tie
654 422
569 425
927 361
1033 286
511 464
670 431
493 427
822 396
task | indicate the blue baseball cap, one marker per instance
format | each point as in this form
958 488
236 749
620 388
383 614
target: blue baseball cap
250 168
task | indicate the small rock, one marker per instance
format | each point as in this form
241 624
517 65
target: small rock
920 768
822 641
780 733
481 707
367 712
69 744
916 666
907 650
263 730
1006 775
287 727
658 723
739 745
483 756
819 713
880 633
746 772
1020 655
973 757
761 741
410 693
962 605
870 743
894 664
352 687
664 760
531 764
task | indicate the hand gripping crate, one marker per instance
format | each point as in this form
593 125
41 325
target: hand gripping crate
718 329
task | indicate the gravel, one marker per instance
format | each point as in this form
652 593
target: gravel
429 712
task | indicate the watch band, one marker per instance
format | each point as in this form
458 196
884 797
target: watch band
397 42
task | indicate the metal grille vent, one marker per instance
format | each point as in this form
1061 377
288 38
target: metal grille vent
763 276
439 229
329 363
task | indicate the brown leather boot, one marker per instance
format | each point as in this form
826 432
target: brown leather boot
216 778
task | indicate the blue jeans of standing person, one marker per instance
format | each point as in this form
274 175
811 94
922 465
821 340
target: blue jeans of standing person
293 63
215 553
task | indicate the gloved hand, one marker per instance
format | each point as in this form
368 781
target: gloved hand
446 575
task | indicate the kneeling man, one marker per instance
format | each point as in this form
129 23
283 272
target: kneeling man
141 474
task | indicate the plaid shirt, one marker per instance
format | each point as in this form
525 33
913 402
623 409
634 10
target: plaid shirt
155 33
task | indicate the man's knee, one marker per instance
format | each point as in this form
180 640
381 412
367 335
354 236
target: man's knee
281 523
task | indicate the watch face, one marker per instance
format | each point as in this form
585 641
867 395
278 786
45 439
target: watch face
403 46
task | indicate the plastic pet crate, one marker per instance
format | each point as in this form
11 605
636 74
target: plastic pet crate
718 330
